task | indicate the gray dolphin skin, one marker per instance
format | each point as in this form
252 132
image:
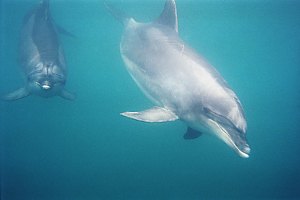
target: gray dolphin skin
41 56
180 83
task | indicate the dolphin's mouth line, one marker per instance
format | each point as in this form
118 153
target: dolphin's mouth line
228 139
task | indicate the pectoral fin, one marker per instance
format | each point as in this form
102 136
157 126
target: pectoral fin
155 114
63 31
68 95
18 94
191 134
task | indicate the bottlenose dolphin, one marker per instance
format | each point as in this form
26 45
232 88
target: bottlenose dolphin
181 83
41 56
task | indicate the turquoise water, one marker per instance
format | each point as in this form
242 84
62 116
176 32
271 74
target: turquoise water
57 149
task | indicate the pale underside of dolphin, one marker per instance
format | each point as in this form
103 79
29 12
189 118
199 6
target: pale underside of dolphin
181 83
41 56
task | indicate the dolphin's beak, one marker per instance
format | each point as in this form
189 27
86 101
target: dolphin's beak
232 137
45 85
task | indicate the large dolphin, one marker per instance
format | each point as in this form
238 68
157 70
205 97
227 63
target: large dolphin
180 83
41 56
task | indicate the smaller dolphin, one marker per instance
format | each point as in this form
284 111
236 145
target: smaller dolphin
180 82
41 56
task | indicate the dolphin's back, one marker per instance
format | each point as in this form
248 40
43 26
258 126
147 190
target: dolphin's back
45 37
39 41
41 57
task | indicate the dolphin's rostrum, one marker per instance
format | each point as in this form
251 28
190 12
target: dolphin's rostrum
41 56
180 83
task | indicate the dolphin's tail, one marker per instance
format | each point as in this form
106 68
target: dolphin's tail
118 14
44 8
45 3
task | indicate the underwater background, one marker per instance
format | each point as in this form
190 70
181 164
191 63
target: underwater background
83 149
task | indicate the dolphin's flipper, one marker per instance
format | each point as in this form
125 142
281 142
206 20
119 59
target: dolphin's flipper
63 31
155 114
67 95
169 15
18 94
191 134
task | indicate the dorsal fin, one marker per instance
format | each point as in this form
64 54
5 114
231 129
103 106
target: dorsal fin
169 15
